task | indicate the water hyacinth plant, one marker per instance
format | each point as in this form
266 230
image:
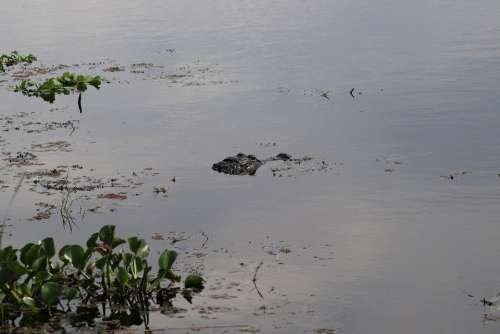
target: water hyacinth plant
109 273
65 84
13 59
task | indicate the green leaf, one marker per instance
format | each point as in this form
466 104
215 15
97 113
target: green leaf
28 256
169 274
7 275
136 267
107 234
33 256
167 259
134 243
40 262
49 247
193 282
101 263
117 242
143 251
51 292
8 254
92 242
17 269
25 290
70 293
127 259
109 274
30 302
90 267
65 253
81 86
41 277
138 246
78 258
122 277
188 295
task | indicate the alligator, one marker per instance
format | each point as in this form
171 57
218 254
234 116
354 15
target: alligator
242 164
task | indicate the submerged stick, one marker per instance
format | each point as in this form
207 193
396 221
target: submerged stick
352 93
254 279
80 102
206 239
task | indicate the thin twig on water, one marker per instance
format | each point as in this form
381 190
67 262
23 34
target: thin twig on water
254 279
11 201
73 129
206 239
352 93
66 212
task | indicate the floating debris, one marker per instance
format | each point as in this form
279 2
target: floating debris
159 190
22 159
38 127
46 172
53 146
249 329
268 144
45 211
64 184
455 175
114 69
113 196
325 331
351 92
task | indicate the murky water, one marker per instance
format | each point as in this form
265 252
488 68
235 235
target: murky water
381 242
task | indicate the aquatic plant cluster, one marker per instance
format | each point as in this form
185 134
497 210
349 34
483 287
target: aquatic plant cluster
64 84
48 89
36 282
15 58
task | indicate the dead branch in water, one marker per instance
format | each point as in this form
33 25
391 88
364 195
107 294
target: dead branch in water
206 240
254 279
66 212
80 102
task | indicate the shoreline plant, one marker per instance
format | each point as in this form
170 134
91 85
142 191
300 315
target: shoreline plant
109 278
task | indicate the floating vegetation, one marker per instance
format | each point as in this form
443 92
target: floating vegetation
114 69
13 59
104 279
21 159
53 146
66 84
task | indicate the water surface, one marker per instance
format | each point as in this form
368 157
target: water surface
382 243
